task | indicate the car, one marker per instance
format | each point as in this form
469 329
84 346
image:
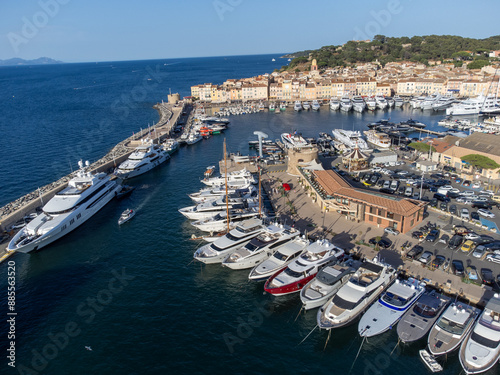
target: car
487 276
476 185
409 191
390 230
467 246
385 243
444 238
443 206
464 214
492 246
479 251
425 257
453 209
380 183
373 241
437 175
416 195
485 213
415 251
432 236
493 258
484 205
418 235
441 197
457 267
484 239
376 169
387 184
401 189
439 262
452 194
386 191
474 216
471 272
433 202
468 193
466 183
472 236
394 184
425 198
433 188
481 199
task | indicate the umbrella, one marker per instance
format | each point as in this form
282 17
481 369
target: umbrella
286 187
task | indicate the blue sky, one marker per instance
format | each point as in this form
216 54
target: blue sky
91 30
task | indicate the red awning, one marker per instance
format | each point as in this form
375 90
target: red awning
286 187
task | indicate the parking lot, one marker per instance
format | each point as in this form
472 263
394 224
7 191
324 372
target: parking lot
460 204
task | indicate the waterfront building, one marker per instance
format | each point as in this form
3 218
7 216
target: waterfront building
332 193
406 86
366 86
384 88
337 87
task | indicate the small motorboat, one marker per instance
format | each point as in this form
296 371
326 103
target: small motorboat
126 216
126 190
210 171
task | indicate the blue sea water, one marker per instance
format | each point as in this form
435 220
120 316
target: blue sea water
131 292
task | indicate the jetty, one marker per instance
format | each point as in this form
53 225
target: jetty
17 210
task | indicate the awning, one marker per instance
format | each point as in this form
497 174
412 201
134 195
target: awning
286 187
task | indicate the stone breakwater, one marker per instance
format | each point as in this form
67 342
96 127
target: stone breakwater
120 151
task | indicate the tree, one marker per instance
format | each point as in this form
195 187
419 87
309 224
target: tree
480 161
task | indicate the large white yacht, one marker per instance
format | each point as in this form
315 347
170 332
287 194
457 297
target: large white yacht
350 138
429 101
378 139
306 105
145 157
280 259
481 349
398 101
381 101
451 328
371 103
261 247
345 103
85 194
294 140
234 179
353 298
390 307
334 104
443 103
327 282
209 209
218 223
297 106
209 194
358 104
474 106
416 103
315 105
216 251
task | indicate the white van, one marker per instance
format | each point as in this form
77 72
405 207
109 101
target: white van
443 191
387 184
409 191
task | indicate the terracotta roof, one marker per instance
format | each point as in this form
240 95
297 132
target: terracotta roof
333 184
441 146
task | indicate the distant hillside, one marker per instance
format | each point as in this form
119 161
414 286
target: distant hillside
417 49
296 54
39 61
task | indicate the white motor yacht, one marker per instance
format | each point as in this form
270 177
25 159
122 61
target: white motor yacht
272 107
306 105
334 104
350 138
315 105
170 145
294 141
297 106
280 259
371 103
398 101
209 194
327 282
283 106
261 247
390 102
218 223
234 179
443 103
381 101
474 106
451 328
194 137
216 251
429 101
298 273
345 103
145 157
364 287
481 349
358 104
416 103
390 307
85 194
417 321
209 209
126 216
378 139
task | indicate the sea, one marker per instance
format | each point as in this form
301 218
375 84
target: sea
109 299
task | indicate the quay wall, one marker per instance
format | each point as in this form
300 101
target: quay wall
15 211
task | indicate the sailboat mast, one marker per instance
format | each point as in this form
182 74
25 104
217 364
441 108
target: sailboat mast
227 197
260 201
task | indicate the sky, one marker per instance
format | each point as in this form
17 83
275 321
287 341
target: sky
110 30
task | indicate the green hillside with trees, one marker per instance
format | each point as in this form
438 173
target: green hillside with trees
418 49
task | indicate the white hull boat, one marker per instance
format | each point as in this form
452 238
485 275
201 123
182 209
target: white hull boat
218 223
334 104
143 159
315 105
297 106
350 138
126 216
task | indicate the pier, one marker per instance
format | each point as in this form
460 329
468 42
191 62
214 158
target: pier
29 203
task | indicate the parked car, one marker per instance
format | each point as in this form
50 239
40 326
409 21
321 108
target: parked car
433 202
484 239
457 267
432 236
474 216
387 184
453 209
467 246
386 191
492 246
455 241
439 262
479 251
409 191
441 197
444 238
464 214
385 243
415 251
466 183
485 213
390 230
443 206
481 204
487 276
472 236
418 235
394 184
493 258
425 257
